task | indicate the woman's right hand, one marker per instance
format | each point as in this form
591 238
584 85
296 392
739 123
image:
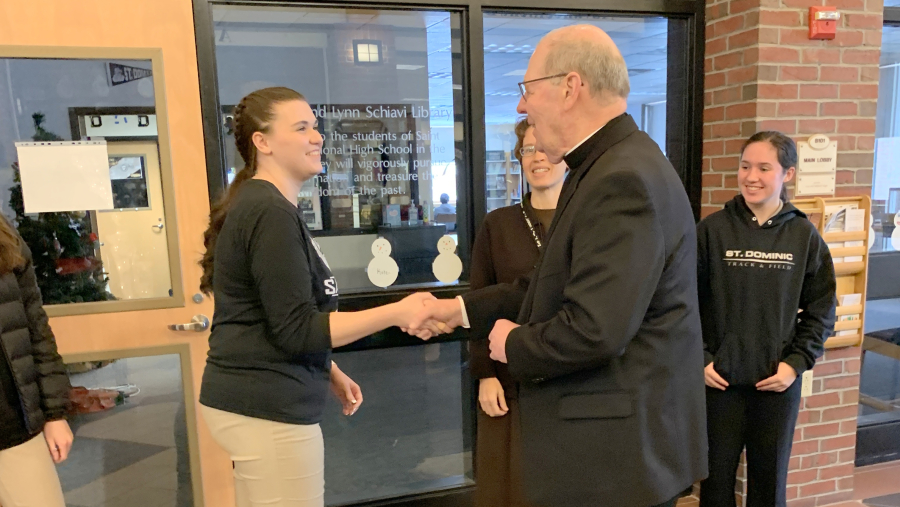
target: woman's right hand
713 379
491 397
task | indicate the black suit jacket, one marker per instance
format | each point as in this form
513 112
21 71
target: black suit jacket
609 354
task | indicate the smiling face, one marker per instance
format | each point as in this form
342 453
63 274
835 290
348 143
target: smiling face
292 140
761 176
539 172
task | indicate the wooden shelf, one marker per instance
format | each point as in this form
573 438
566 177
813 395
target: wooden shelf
849 268
847 325
849 251
851 276
849 310
850 340
837 237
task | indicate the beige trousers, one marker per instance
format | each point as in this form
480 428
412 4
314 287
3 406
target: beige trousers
28 476
275 464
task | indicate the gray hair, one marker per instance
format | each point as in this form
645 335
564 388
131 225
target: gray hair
600 66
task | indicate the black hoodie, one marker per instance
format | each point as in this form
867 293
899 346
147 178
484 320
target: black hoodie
752 281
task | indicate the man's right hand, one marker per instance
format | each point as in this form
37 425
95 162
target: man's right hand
491 397
713 379
445 314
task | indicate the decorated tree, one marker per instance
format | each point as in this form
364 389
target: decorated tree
62 244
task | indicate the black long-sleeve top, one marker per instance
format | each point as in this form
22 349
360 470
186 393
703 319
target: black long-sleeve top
270 346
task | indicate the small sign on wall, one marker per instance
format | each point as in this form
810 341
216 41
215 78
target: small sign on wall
817 166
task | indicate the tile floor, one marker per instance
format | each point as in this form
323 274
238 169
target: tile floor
135 453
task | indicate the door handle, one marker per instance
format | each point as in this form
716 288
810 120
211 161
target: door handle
158 227
199 323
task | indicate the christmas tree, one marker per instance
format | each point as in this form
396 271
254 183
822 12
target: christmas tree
62 244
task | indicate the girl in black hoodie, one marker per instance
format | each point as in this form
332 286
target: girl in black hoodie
766 285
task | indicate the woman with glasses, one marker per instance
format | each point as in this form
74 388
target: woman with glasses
507 247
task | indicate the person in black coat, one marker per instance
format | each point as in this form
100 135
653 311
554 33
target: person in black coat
34 386
606 341
767 303
506 247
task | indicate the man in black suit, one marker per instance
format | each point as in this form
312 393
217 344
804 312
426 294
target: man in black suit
607 347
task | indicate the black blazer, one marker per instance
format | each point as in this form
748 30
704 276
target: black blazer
609 355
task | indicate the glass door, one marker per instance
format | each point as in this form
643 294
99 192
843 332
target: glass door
879 397
86 178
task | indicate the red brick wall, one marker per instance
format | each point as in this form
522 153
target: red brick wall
763 73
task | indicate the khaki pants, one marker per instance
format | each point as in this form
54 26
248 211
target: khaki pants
28 476
275 464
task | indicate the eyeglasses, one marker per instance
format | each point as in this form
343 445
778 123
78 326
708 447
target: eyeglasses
527 151
523 83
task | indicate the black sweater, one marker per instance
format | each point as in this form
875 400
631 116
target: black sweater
270 346
752 281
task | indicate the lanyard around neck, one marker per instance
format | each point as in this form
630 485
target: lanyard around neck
537 240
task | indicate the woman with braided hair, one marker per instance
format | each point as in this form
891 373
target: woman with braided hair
269 367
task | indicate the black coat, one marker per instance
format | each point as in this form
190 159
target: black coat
609 355
28 346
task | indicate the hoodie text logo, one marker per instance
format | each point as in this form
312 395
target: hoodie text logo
758 259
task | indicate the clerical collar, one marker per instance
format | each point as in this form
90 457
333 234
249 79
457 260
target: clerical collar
583 141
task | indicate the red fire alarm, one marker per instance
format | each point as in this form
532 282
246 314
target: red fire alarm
823 22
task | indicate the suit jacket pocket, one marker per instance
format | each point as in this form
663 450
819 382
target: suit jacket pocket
611 405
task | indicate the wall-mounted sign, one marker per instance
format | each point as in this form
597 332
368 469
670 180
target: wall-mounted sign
120 74
817 167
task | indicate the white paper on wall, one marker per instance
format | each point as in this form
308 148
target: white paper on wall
65 176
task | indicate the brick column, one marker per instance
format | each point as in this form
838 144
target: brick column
763 73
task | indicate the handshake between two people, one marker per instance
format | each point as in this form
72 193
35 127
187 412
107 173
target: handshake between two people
428 316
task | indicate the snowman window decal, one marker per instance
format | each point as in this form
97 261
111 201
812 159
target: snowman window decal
447 267
383 269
